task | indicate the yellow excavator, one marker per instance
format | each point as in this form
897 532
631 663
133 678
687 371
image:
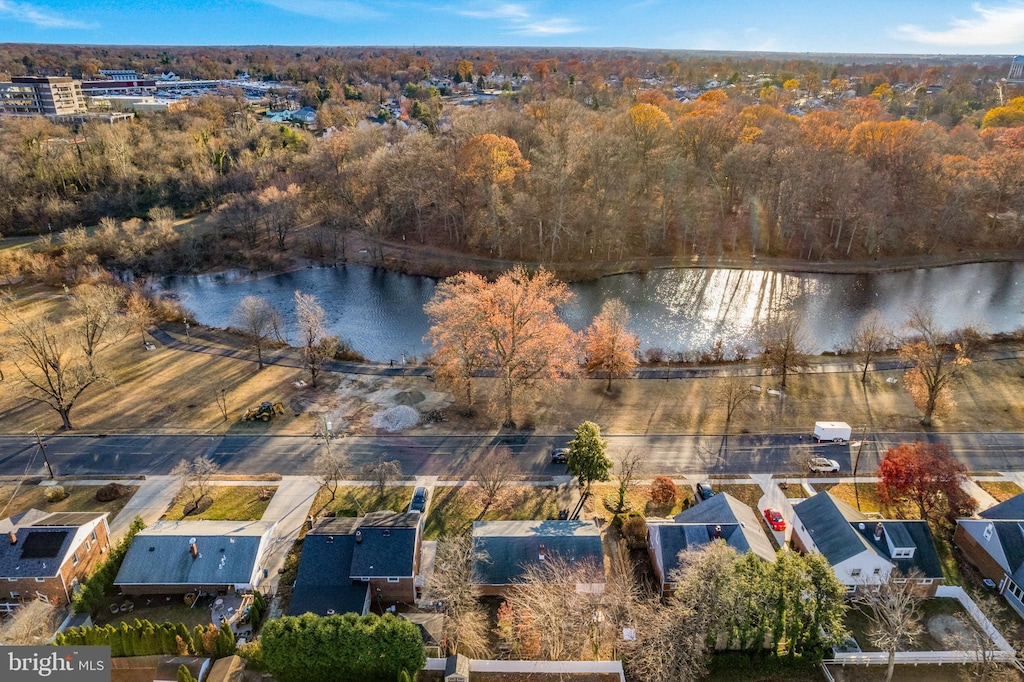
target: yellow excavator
264 412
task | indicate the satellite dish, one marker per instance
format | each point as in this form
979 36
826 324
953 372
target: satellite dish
191 541
861 526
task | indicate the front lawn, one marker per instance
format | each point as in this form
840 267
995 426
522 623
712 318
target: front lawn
79 499
358 500
746 493
793 491
454 509
605 497
224 503
159 611
864 496
1001 490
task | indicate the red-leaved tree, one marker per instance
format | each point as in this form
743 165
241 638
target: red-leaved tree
926 474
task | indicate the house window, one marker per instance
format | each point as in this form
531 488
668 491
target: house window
877 571
15 595
94 538
88 545
925 581
902 553
12 580
854 572
989 529
900 581
40 580
74 559
393 580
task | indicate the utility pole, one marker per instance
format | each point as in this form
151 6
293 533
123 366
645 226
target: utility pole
42 449
856 463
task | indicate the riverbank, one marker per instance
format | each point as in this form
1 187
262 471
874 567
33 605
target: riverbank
436 262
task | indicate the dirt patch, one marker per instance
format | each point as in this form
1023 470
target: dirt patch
954 634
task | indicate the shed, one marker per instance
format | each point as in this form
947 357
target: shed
456 669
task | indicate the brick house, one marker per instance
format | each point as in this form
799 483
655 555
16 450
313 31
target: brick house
994 544
349 562
47 555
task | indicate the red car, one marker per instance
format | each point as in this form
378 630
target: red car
774 519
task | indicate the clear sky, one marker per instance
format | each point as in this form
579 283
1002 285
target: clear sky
886 26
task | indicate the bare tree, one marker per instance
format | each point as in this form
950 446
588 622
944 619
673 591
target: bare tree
557 612
381 472
48 361
139 314
222 403
652 659
629 469
451 586
732 393
784 346
937 361
194 479
893 610
259 322
317 347
328 469
32 624
495 472
871 336
97 308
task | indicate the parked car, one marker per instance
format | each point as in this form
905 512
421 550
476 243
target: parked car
823 464
560 455
774 519
419 500
704 491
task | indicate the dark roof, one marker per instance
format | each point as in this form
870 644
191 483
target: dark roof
1011 537
430 625
673 538
914 534
1011 509
725 510
825 518
508 546
227 553
44 542
385 545
323 583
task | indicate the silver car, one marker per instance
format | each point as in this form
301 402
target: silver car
823 464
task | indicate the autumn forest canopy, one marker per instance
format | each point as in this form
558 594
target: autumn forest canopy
595 158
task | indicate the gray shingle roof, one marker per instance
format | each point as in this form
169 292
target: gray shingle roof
723 510
323 583
43 542
511 545
914 534
227 553
385 545
825 519
1011 509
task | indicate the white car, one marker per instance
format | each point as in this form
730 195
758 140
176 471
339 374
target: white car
823 464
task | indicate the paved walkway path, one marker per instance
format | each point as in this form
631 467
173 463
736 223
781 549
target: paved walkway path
150 502
291 357
288 508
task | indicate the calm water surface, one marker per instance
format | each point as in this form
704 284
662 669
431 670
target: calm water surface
380 313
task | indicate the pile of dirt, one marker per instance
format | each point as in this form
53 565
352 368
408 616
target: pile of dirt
397 418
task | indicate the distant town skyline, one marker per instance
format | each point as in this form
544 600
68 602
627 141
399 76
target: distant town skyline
859 26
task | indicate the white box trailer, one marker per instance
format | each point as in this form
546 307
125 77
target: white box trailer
837 432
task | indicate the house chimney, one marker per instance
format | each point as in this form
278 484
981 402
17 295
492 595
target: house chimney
193 549
359 536
878 531
309 523
13 537
541 552
718 532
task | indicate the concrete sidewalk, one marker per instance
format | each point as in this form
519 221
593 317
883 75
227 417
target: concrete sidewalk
288 508
149 502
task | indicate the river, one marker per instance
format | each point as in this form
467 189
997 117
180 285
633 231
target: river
380 313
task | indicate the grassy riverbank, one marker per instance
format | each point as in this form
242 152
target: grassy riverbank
165 390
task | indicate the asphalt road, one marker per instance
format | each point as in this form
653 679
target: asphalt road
452 456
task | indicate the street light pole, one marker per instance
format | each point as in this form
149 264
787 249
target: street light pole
42 449
856 463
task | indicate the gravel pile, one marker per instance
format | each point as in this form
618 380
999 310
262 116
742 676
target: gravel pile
395 418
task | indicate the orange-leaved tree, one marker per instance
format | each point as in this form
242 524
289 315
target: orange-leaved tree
609 345
509 326
937 361
927 474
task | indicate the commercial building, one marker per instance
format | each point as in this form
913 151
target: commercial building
41 96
